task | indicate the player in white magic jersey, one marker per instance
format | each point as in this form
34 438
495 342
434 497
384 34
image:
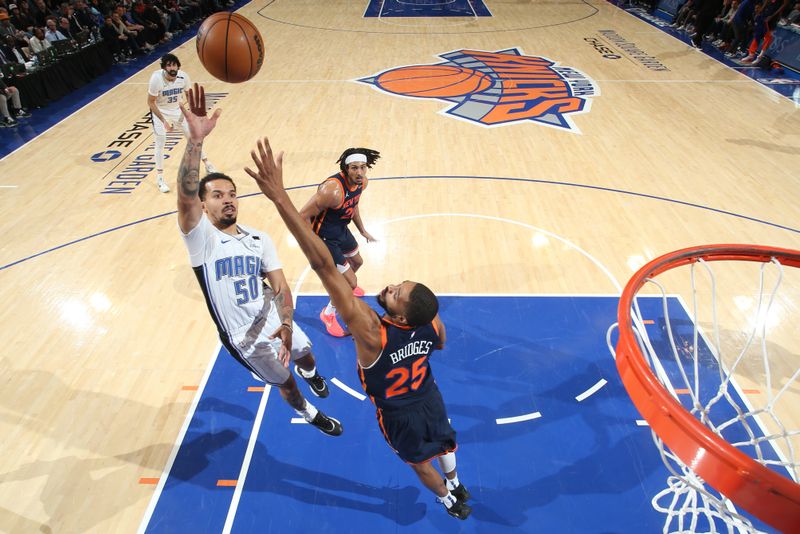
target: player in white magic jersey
241 277
164 94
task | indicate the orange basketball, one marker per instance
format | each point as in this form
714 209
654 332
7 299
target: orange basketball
433 81
230 47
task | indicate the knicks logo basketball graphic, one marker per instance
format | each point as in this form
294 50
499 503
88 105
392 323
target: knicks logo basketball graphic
495 88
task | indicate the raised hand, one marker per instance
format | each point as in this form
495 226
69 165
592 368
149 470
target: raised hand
270 171
200 125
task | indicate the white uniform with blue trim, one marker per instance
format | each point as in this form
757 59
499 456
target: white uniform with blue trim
169 95
231 271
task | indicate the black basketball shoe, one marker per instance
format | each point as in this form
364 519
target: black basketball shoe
461 492
326 424
317 383
460 510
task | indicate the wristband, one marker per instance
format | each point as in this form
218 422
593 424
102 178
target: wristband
287 325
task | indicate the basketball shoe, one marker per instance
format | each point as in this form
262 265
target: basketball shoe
460 492
316 382
459 509
162 185
327 425
331 324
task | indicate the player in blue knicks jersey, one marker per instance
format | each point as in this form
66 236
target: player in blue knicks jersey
232 263
392 350
330 211
165 92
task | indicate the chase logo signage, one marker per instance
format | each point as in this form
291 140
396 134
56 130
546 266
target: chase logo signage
495 88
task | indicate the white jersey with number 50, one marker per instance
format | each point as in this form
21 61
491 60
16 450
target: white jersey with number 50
168 94
231 270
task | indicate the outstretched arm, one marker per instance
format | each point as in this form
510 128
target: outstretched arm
359 317
200 125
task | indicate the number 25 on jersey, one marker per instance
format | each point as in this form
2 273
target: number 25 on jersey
401 376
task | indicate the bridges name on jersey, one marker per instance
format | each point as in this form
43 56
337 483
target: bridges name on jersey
495 88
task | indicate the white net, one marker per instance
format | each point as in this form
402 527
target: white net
717 357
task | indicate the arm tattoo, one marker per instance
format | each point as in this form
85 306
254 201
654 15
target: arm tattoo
189 172
285 309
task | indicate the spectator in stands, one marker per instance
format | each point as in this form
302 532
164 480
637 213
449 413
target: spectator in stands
63 10
723 25
189 9
19 19
8 114
129 44
52 32
172 16
6 28
704 19
766 18
99 9
38 43
75 24
154 28
794 15
119 44
64 28
742 23
39 13
82 18
719 19
685 15
11 52
21 47
137 31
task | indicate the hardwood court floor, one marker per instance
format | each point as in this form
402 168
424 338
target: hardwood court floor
104 326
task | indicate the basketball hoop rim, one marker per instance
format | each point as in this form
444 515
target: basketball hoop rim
772 498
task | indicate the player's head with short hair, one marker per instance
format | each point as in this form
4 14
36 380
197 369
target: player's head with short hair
210 177
217 192
409 303
370 155
166 59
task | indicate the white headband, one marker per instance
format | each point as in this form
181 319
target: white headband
355 157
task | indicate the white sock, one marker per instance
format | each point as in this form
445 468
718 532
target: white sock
309 413
307 374
330 308
452 484
448 500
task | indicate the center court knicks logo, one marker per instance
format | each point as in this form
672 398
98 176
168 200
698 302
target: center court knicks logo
496 88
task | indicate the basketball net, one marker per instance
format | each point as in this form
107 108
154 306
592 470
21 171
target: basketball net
681 357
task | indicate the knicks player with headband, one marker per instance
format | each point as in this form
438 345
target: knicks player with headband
241 277
164 93
392 351
330 211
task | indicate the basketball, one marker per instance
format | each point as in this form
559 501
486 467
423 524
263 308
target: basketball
230 47
433 81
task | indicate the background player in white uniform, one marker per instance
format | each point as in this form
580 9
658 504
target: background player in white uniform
164 94
231 261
